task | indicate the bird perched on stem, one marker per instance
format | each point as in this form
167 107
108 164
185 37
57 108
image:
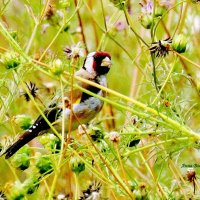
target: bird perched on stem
95 68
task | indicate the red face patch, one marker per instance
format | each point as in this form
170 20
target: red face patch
98 57
102 54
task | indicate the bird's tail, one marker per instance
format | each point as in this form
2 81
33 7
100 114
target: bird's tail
23 139
35 130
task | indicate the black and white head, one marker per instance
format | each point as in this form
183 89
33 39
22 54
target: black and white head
97 63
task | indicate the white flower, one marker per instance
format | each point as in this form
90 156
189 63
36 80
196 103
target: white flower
114 136
75 51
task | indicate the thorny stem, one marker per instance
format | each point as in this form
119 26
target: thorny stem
171 122
154 72
165 82
154 145
37 23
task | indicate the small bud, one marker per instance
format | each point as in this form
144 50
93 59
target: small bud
179 43
51 142
163 5
10 60
120 4
77 165
44 165
24 121
17 191
31 185
132 185
21 159
146 21
114 136
159 11
57 67
14 35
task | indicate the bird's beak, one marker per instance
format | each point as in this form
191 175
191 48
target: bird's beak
106 62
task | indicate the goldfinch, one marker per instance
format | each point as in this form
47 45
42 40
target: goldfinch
95 68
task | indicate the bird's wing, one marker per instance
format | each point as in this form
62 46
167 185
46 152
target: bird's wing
76 95
52 114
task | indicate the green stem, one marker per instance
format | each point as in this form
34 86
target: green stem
169 122
4 8
76 186
160 189
166 80
154 72
129 22
101 177
155 144
31 38
13 42
186 59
